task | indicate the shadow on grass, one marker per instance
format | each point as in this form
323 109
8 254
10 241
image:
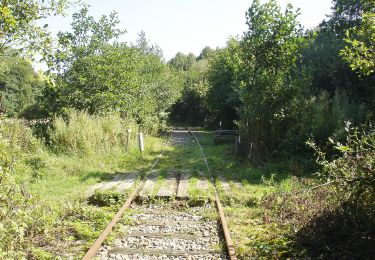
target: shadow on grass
222 162
341 233
143 166
101 175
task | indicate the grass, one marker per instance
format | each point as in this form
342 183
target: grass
69 177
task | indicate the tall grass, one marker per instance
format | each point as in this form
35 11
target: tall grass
18 136
85 134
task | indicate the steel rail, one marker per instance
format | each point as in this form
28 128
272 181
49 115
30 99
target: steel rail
224 225
99 241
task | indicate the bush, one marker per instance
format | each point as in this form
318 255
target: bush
107 198
352 171
337 218
320 117
15 212
85 134
32 224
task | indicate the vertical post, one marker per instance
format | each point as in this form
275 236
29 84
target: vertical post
220 125
128 133
237 141
141 144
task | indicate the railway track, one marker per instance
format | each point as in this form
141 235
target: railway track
170 230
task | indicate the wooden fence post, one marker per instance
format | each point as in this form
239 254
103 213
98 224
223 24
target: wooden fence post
128 133
141 144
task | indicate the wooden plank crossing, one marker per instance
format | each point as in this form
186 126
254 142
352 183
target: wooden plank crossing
174 184
127 183
202 182
120 183
149 185
183 187
224 184
169 186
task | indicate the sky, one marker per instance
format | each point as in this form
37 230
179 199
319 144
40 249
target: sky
186 25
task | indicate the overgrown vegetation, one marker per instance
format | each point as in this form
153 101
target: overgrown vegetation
279 215
84 134
44 188
288 90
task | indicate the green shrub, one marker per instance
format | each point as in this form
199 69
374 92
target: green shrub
320 117
107 198
352 172
335 219
13 215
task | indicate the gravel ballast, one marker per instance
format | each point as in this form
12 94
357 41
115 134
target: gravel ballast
164 232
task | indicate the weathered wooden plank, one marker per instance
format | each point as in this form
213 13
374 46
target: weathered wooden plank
95 187
238 185
224 184
202 183
127 183
112 183
169 186
149 185
118 178
183 186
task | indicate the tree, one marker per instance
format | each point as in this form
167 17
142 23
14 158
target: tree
348 14
270 49
144 45
121 79
192 107
223 78
360 49
20 86
330 54
88 37
206 53
96 74
18 24
182 62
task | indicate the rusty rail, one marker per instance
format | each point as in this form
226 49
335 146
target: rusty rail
223 221
229 243
98 242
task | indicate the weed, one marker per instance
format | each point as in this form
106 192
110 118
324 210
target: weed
107 198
